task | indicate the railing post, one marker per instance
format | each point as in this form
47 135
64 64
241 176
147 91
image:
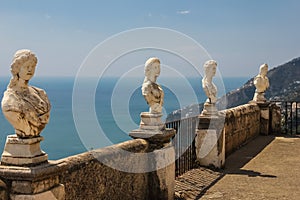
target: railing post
161 178
264 117
210 141
161 154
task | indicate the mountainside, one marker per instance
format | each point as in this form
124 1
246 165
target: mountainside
284 86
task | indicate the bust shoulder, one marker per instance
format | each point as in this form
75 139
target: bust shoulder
9 101
39 91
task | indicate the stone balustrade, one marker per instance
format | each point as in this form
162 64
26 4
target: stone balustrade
242 123
83 176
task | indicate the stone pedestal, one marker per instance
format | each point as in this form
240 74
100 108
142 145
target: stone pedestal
264 117
210 148
23 152
33 183
151 121
157 139
160 151
259 97
209 109
162 180
210 141
153 130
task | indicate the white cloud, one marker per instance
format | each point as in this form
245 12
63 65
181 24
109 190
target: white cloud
183 12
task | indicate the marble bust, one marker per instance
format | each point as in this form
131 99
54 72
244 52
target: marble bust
151 126
152 92
261 83
208 86
26 107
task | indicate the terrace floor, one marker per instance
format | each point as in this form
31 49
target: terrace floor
268 167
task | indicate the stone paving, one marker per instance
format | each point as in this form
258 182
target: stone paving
266 168
193 184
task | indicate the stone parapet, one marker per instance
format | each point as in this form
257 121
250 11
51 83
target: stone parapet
37 182
81 176
242 123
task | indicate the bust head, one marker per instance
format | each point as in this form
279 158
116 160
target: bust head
210 68
23 66
152 69
263 69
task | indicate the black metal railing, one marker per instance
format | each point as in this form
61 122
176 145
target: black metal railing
184 143
290 117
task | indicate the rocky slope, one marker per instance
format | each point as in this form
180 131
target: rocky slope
284 86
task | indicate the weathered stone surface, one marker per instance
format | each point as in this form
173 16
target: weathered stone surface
152 92
242 123
24 161
210 140
211 122
161 178
275 114
3 191
264 118
210 147
209 109
26 148
37 182
162 181
85 177
151 121
27 108
56 193
30 187
157 138
18 151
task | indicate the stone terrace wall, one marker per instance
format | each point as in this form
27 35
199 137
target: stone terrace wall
85 177
241 124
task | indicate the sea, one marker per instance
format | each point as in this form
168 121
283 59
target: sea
106 111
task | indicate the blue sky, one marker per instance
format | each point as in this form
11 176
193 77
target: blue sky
239 34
